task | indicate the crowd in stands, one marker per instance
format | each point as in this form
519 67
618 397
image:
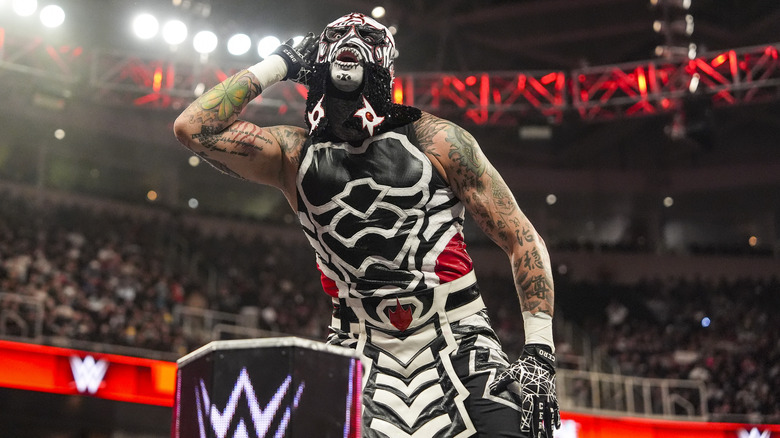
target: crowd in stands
118 278
123 279
723 332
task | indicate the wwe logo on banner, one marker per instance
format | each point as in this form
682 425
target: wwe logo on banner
754 433
220 422
88 373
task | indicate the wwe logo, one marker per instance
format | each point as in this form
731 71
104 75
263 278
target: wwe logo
261 418
754 433
88 373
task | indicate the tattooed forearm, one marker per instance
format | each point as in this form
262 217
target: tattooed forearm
220 166
535 291
230 96
244 141
532 259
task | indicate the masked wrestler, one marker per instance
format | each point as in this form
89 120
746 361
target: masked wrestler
380 190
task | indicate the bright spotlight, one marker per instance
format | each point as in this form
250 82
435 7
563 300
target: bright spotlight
205 42
145 26
24 8
52 16
239 44
174 32
378 12
267 45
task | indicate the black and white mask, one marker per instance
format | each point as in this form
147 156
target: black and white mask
356 54
349 43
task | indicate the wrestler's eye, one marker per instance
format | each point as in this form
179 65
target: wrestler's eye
371 35
335 33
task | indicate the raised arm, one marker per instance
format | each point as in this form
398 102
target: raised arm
210 127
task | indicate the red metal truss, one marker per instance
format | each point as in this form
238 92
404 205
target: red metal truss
152 83
489 98
729 77
485 98
147 82
37 57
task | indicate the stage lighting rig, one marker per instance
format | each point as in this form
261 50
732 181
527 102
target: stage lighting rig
675 25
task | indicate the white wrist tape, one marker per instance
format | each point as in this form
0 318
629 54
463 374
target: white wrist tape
538 329
269 71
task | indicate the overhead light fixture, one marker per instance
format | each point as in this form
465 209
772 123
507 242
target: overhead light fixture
174 32
205 42
681 26
145 26
24 8
378 12
267 45
52 16
239 44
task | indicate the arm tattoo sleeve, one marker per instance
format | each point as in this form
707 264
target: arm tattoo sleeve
229 97
495 209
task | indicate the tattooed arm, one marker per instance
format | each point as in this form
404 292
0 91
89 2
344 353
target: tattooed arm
456 154
211 129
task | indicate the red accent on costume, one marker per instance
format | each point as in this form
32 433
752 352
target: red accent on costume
401 317
453 262
328 285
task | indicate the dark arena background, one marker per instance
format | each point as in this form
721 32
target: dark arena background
640 137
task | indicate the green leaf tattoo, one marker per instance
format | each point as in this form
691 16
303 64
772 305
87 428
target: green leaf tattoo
227 97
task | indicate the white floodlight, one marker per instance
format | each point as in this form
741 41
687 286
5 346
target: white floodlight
239 44
378 12
174 32
52 16
145 26
267 45
24 8
205 42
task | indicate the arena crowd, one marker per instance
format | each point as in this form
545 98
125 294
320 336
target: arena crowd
109 277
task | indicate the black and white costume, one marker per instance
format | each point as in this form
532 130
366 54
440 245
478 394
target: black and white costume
386 229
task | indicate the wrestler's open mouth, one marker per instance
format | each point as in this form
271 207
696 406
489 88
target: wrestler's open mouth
348 58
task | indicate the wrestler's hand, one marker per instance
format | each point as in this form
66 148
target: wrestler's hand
535 374
299 58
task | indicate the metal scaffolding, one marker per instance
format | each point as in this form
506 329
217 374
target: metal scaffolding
608 92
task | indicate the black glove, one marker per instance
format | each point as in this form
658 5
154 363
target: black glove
535 373
300 58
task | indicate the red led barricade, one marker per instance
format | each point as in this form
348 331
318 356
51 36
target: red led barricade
730 77
277 387
75 372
